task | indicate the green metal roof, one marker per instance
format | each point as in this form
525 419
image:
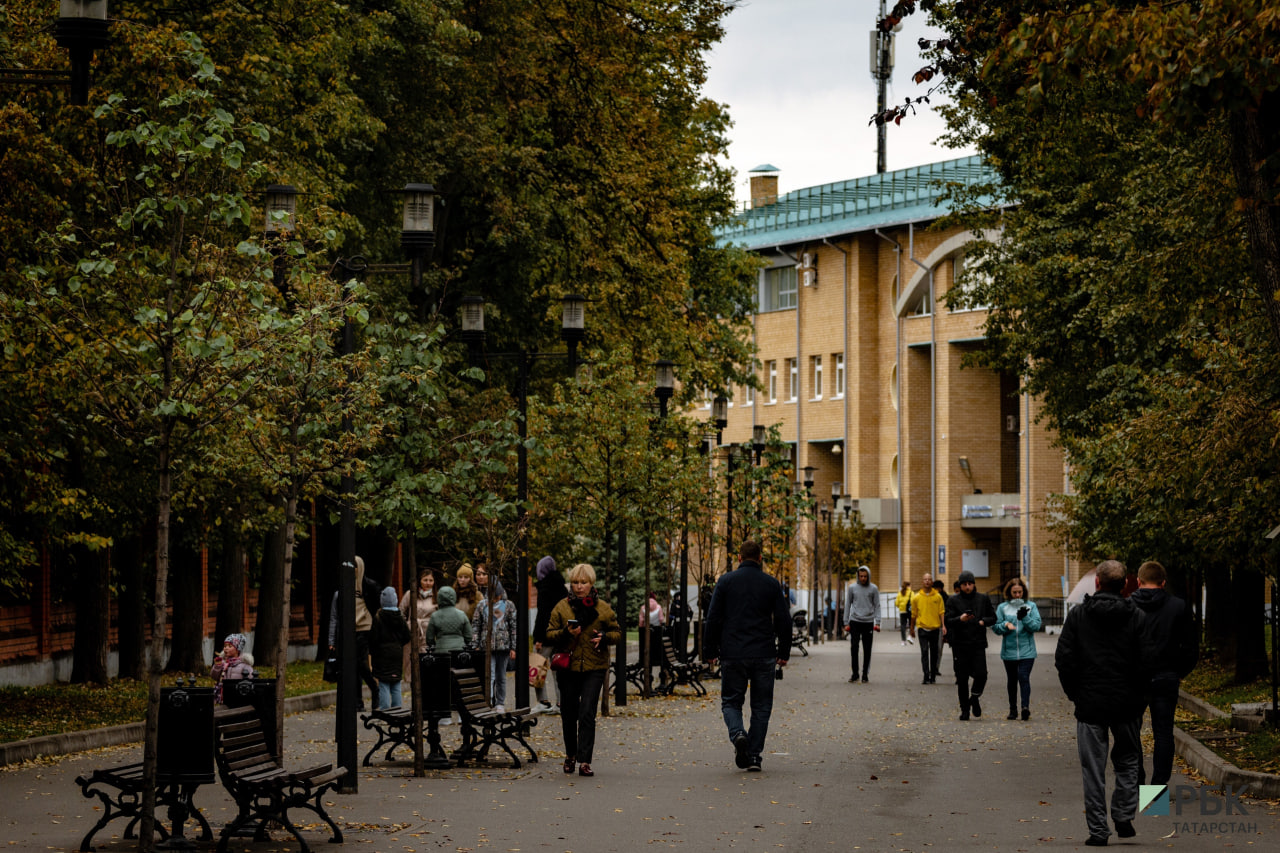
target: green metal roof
861 204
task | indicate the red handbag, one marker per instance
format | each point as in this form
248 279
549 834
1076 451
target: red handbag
560 661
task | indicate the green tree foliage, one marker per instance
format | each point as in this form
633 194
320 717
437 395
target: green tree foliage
1132 250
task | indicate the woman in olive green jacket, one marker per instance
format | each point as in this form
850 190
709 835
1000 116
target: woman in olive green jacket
584 625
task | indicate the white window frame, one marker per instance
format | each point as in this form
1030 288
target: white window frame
815 377
749 391
793 380
974 276
772 367
778 289
837 359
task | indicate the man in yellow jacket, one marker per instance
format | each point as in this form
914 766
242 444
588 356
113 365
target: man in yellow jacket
927 608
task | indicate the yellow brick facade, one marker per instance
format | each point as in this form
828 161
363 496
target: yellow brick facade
909 411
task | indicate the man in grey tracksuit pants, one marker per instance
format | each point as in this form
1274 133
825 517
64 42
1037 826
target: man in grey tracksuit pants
861 619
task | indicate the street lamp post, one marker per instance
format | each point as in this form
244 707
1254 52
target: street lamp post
572 332
813 557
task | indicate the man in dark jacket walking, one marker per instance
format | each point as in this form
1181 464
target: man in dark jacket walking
1103 666
1170 636
968 616
748 627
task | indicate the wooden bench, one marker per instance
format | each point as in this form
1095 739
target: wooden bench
263 790
120 789
184 762
482 726
394 727
800 632
680 672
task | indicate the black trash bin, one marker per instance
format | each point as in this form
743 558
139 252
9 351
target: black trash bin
186 740
259 693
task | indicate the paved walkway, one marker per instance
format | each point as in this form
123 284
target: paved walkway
884 766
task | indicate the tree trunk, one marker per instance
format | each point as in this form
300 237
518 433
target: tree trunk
1248 591
1218 615
186 651
93 616
131 618
285 607
270 593
1255 141
151 733
231 617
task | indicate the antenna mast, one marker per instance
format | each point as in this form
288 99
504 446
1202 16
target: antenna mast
881 71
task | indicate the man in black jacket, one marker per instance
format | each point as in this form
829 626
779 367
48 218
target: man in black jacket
1171 637
749 628
1102 663
968 616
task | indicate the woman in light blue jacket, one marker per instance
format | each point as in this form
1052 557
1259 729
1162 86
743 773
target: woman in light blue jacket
1017 620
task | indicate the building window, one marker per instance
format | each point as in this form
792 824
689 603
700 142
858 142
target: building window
838 360
970 277
749 393
815 376
772 367
793 379
778 289
706 401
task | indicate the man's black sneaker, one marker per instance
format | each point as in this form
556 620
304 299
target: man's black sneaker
1013 714
1095 841
1026 713
964 715
741 750
1124 829
975 706
753 766
864 679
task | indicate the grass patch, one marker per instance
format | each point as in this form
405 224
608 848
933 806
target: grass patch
57 708
1214 684
1259 751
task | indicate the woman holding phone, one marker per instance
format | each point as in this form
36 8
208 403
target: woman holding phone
584 625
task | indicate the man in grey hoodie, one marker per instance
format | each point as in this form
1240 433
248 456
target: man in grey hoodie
861 619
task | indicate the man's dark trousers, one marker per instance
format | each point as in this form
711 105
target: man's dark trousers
969 663
1162 699
930 649
860 632
736 675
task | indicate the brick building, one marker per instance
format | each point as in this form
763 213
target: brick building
860 364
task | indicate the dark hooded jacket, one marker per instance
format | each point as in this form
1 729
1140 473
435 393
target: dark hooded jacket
1170 633
551 591
1102 659
972 634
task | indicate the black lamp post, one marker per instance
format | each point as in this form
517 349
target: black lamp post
664 384
733 452
281 216
417 228
813 560
81 27
720 416
348 678
572 332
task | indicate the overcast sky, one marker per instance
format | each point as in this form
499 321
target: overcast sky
796 75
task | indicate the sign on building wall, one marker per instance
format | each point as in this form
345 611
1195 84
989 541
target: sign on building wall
1026 562
977 561
942 559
